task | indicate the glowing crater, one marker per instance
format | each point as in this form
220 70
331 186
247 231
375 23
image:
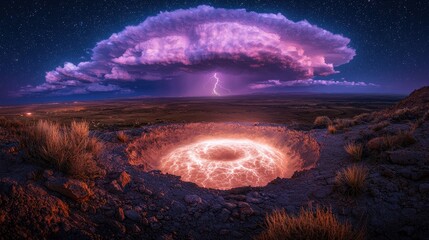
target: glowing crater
224 155
225 163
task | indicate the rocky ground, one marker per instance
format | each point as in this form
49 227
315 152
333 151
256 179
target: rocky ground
129 203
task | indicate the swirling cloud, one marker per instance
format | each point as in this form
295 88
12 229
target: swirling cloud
188 41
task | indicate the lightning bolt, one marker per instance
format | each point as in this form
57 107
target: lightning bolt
215 92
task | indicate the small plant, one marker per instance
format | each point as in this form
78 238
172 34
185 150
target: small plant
341 124
351 181
319 224
322 121
67 148
377 127
332 129
122 137
355 150
402 139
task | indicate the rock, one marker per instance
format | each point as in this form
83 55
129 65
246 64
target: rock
120 214
424 188
48 173
116 226
216 207
253 199
322 192
124 179
224 215
134 228
245 209
115 187
154 223
237 234
404 157
238 197
71 188
133 215
409 212
230 205
193 199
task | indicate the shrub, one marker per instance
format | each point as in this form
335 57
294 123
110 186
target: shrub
69 149
332 129
380 125
355 150
322 121
341 124
351 181
402 139
319 224
405 114
364 117
122 137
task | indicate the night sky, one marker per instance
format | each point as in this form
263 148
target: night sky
390 38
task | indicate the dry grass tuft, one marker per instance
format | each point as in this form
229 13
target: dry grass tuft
320 224
341 124
322 121
69 149
377 127
332 129
355 150
122 137
351 181
402 139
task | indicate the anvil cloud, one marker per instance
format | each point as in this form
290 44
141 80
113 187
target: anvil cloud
190 41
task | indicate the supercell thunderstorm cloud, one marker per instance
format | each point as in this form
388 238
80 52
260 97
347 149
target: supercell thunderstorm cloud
188 43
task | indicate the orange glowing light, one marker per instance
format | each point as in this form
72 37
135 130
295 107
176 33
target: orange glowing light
225 163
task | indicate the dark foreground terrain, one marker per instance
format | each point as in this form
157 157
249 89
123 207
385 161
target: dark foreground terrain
390 201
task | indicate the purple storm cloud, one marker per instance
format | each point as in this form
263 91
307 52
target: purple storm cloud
186 42
308 82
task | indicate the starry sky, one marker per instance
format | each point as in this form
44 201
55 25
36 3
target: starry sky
391 39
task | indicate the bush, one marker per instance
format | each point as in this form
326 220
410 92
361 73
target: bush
364 117
351 181
69 149
122 137
380 125
402 139
355 150
322 121
405 114
320 224
341 124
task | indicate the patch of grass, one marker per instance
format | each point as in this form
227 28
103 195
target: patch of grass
332 129
341 124
122 137
351 181
322 121
377 127
402 139
319 224
69 149
355 150
405 114
364 117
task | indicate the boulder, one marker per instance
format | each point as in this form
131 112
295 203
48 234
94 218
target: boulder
124 179
193 199
71 188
